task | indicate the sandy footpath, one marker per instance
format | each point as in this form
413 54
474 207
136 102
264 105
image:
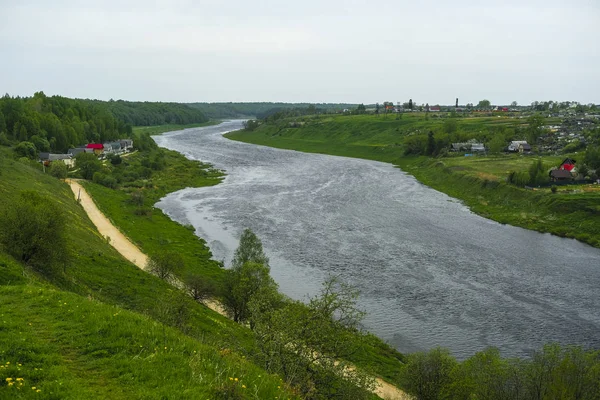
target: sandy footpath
128 250
117 240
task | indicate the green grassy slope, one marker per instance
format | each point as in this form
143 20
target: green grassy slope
479 181
94 357
156 232
60 345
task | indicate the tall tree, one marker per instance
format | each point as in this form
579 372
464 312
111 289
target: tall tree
484 104
410 104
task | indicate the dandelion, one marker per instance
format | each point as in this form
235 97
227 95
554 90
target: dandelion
230 378
9 379
39 390
10 383
236 379
19 379
19 365
244 386
33 388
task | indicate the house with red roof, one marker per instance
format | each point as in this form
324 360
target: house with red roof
568 164
97 147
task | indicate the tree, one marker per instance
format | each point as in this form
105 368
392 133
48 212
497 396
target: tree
242 284
377 108
534 128
34 231
514 104
456 104
484 104
58 169
592 157
26 149
430 143
428 375
361 109
199 288
248 277
249 250
410 104
537 173
2 123
88 164
309 343
165 264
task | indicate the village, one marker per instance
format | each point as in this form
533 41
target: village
101 150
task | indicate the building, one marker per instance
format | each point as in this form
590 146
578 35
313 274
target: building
126 144
478 147
568 164
78 150
98 148
524 148
514 145
560 175
48 158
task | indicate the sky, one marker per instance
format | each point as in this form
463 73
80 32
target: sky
304 51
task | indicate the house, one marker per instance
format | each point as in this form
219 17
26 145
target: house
478 147
112 148
561 175
435 108
514 145
78 150
524 148
126 144
98 148
568 164
48 158
460 147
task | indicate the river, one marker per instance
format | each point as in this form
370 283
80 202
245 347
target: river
430 272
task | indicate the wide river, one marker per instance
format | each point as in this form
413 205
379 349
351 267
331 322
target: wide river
430 272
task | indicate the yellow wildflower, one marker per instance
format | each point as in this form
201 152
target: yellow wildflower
33 388
230 378
19 379
37 391
236 379
244 386
10 383
9 379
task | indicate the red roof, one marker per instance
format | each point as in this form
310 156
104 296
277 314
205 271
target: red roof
95 146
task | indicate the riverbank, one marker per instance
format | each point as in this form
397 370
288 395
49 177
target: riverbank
478 182
153 231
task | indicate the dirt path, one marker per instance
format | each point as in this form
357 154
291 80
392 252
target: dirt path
128 250
107 229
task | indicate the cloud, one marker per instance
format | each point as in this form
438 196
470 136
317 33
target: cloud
312 50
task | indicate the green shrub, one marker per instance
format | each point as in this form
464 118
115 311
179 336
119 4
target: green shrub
553 189
58 169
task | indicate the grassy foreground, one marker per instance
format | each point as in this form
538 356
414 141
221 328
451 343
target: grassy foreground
478 181
76 333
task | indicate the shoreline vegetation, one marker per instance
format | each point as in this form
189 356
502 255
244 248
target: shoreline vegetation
478 181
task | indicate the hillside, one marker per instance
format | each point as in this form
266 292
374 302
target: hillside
101 328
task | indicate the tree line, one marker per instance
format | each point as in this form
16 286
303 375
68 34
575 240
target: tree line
56 123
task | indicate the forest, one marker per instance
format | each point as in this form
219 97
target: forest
56 123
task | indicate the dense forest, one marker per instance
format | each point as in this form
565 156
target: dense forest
57 123
260 110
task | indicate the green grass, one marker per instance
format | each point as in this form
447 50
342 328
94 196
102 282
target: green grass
158 129
67 346
156 232
83 350
478 181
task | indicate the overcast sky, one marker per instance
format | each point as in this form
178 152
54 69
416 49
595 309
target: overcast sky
310 50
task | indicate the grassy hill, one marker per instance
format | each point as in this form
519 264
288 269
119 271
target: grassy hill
102 328
479 181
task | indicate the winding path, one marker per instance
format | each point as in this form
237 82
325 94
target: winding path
132 253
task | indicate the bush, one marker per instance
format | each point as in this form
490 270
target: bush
105 180
115 159
165 265
58 169
88 164
33 230
553 189
26 149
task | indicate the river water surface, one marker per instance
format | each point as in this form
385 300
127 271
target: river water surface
430 271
